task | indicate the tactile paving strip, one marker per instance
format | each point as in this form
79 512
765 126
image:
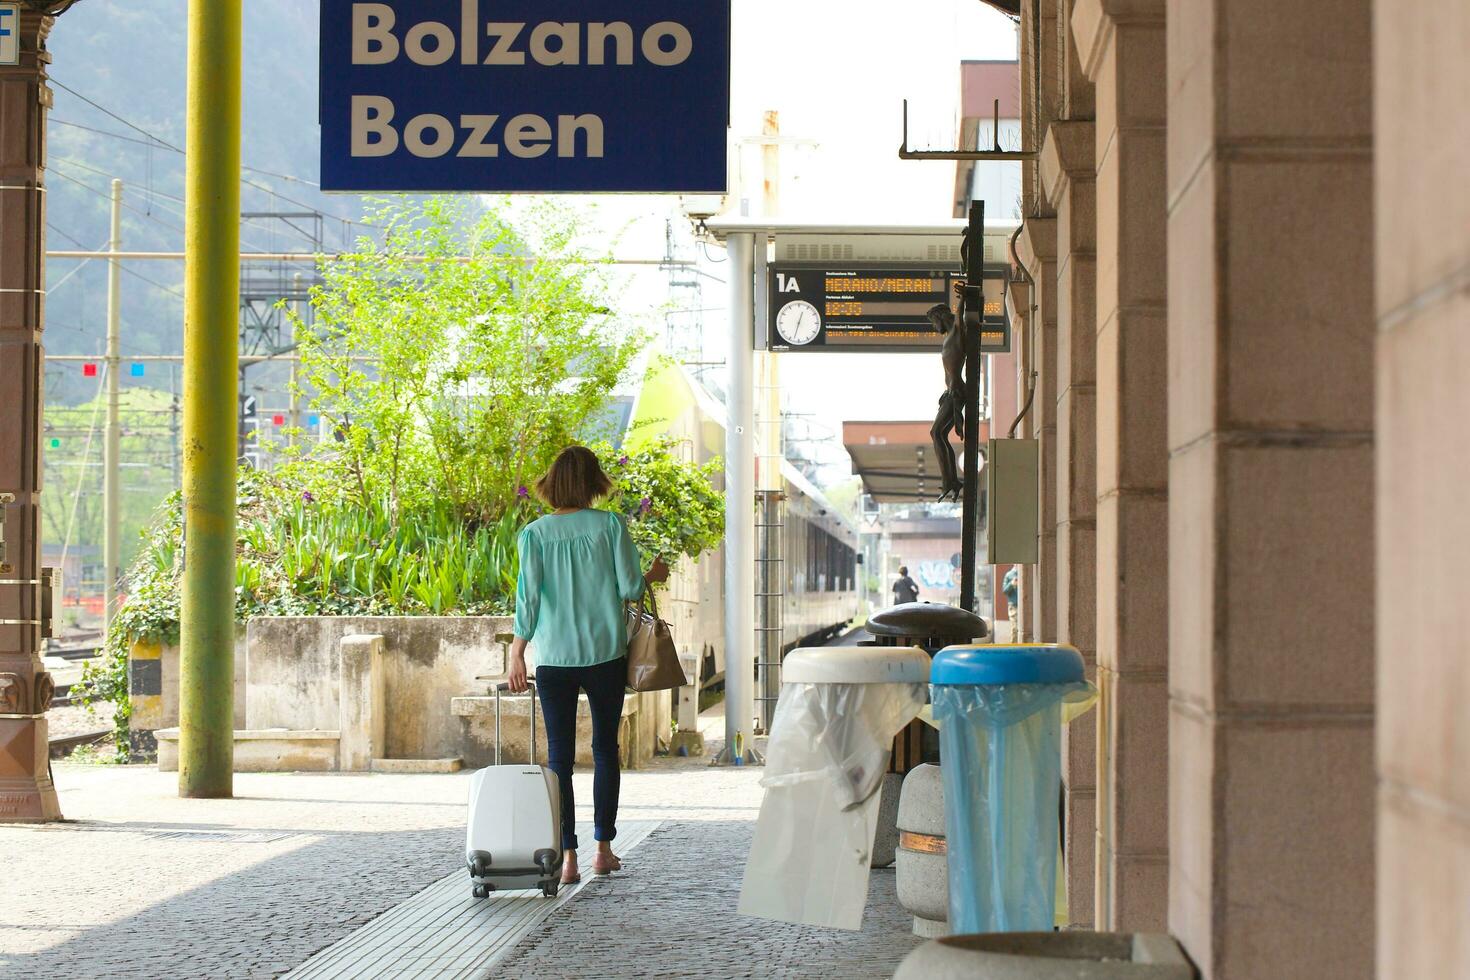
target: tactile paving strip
444 932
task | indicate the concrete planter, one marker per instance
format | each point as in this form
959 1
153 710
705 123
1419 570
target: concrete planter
153 689
295 678
1048 956
268 751
361 693
478 716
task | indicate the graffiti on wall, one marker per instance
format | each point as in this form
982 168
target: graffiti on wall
934 575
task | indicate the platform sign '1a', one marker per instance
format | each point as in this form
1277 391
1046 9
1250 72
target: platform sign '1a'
525 95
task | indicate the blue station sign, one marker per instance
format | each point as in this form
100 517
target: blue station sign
525 95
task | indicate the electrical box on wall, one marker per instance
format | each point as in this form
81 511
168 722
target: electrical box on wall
1012 484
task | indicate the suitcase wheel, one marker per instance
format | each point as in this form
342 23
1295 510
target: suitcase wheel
548 889
480 891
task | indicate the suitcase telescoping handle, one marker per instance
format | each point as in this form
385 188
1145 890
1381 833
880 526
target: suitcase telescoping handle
504 686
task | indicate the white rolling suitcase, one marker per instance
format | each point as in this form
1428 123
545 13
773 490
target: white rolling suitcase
514 837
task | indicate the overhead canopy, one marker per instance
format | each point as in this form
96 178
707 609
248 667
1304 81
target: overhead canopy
896 459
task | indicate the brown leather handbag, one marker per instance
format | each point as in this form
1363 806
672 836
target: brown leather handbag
653 660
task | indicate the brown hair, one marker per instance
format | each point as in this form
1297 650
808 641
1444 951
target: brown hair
574 480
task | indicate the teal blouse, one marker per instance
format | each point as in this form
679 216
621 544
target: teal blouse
576 571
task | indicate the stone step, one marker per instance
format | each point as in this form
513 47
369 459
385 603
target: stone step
417 765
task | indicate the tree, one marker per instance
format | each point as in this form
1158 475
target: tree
458 355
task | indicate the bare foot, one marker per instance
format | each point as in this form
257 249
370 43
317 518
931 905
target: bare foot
569 873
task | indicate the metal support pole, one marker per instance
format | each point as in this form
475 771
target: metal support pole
175 409
970 515
111 444
295 382
212 283
740 505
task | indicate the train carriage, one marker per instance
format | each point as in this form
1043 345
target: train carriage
808 582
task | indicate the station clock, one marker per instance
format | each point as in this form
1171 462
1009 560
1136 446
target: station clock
798 323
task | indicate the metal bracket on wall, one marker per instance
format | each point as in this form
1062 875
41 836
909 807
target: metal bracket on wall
904 153
5 567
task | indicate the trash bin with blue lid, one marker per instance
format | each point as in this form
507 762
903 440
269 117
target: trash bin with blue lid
999 712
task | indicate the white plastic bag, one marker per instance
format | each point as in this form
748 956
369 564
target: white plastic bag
825 762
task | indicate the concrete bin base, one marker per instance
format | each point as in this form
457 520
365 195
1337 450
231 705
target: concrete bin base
1048 956
922 868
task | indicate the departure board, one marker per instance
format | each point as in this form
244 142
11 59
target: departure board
823 308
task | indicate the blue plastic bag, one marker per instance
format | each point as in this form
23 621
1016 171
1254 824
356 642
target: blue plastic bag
1001 750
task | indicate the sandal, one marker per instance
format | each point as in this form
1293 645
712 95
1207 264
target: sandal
571 879
606 865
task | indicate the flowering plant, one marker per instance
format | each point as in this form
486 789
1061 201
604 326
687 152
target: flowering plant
672 506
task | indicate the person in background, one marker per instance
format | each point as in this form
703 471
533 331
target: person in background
904 590
1009 585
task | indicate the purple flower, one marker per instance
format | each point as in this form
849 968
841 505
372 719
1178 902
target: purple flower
622 460
522 492
306 497
645 505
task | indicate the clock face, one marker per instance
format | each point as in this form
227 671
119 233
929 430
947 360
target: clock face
798 322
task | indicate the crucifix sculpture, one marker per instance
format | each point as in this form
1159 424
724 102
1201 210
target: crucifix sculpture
951 416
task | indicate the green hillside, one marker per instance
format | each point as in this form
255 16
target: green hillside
128 59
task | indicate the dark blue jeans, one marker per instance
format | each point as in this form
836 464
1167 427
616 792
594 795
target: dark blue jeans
557 688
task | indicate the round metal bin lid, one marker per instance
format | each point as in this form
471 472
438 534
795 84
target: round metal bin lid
1022 663
924 619
856 665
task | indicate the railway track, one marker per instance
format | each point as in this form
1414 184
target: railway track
63 745
85 652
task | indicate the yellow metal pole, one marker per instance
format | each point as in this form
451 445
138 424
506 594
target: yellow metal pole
212 283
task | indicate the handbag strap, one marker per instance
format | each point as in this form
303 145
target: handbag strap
647 601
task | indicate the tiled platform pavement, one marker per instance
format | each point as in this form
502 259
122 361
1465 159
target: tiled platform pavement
672 915
143 884
445 933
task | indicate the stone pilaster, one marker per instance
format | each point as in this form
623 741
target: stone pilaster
1122 48
26 792
1037 247
1421 157
1040 69
1068 173
1271 485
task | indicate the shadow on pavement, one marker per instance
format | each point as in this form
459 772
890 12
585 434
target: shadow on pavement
671 913
257 922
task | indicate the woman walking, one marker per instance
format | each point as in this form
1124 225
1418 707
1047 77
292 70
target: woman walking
578 566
